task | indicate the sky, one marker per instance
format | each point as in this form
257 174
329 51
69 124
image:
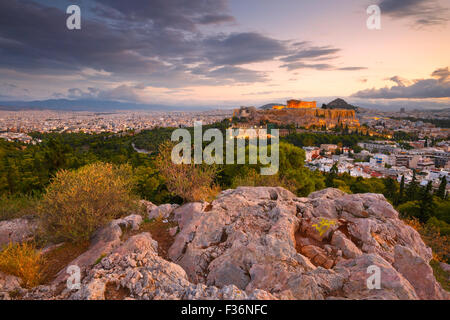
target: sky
227 53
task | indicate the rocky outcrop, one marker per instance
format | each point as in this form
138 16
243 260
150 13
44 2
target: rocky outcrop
303 117
259 243
103 242
135 271
17 230
8 284
162 212
267 238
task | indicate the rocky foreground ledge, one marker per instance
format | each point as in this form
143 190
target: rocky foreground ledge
254 243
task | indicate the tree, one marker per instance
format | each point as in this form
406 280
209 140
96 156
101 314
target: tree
426 203
56 154
412 189
329 181
442 187
401 193
191 182
391 189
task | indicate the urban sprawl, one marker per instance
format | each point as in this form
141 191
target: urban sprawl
428 156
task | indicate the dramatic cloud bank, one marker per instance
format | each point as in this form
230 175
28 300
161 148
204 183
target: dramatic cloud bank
436 87
158 43
422 12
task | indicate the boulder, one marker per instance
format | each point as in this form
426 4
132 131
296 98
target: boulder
419 273
445 266
8 283
17 230
103 242
266 238
348 248
135 271
163 211
149 206
259 243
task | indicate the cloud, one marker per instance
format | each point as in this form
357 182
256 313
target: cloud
308 58
422 12
242 48
302 65
176 14
313 52
119 93
158 43
442 74
143 41
436 87
238 74
401 82
352 68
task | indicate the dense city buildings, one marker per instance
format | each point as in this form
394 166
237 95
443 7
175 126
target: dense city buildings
12 122
428 153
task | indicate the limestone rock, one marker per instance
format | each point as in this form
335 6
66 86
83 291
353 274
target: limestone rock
149 206
162 211
419 273
17 230
135 271
349 249
266 238
259 243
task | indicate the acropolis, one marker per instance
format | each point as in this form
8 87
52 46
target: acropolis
299 113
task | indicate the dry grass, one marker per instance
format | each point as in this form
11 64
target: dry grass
24 261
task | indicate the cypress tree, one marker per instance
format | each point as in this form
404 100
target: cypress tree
401 193
411 190
441 191
426 203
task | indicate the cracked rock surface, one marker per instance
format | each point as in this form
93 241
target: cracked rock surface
259 243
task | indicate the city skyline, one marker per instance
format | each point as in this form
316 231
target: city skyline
227 53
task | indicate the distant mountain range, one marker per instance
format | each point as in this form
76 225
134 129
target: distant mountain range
91 105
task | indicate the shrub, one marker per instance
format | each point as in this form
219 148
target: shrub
191 182
442 226
17 206
253 179
439 244
409 209
24 261
78 202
